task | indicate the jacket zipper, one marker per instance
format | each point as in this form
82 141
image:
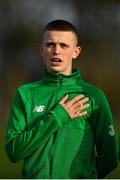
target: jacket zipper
55 134
59 87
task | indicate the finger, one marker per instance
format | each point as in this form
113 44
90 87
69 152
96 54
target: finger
82 114
80 102
84 106
79 114
83 101
70 104
77 98
81 108
64 99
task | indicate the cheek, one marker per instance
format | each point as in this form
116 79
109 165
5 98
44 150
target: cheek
48 53
45 55
69 56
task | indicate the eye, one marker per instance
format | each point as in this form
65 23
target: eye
50 44
63 45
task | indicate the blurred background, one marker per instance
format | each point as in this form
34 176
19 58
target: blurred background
21 25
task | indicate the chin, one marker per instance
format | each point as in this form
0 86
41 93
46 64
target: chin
55 69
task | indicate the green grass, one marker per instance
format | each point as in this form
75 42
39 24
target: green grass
10 170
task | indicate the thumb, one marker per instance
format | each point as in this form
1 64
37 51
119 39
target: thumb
64 99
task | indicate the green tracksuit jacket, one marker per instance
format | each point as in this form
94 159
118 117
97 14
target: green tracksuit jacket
52 145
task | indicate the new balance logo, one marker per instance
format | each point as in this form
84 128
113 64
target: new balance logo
38 108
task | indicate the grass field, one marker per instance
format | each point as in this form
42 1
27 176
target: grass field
10 170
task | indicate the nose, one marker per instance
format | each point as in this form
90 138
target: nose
57 49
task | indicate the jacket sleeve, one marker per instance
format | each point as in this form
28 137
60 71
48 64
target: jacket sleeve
105 136
22 141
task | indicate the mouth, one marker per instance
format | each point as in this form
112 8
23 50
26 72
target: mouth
56 61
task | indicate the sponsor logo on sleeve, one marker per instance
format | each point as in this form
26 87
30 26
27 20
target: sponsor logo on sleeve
111 130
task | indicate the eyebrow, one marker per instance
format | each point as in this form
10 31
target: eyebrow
54 43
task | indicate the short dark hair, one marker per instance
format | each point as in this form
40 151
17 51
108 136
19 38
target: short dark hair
61 25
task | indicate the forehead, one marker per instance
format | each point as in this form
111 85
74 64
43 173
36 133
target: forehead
61 36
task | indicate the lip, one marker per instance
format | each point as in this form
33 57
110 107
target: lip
56 61
53 63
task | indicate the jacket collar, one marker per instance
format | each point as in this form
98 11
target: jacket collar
64 79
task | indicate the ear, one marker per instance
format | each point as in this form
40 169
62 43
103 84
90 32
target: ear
76 52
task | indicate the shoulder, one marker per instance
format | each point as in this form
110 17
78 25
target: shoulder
94 92
29 86
90 88
99 102
25 91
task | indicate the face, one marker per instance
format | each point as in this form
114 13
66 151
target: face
58 49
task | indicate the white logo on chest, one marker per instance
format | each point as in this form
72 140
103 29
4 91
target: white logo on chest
38 108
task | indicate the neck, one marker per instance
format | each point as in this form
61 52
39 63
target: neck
66 73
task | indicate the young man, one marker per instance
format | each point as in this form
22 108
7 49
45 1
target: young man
61 126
